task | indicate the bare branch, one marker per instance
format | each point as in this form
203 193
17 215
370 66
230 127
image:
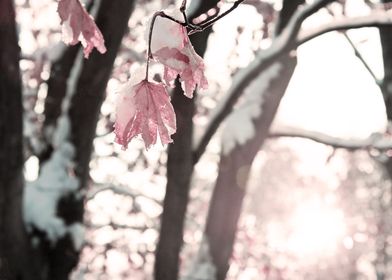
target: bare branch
116 226
209 23
374 19
357 52
361 58
376 141
117 190
283 43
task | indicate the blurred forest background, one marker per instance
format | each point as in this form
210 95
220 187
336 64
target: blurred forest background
280 170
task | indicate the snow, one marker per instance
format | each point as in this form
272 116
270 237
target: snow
67 32
61 133
77 230
164 27
239 127
55 51
42 195
56 178
202 268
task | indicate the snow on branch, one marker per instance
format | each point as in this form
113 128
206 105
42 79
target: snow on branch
56 180
203 267
374 19
290 38
283 43
239 127
376 141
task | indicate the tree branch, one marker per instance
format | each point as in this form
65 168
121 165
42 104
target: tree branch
376 141
283 43
116 226
374 19
91 194
361 58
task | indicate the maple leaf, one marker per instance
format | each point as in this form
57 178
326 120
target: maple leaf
170 45
144 109
78 25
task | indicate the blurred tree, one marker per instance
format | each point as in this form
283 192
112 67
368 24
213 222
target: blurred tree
234 167
179 171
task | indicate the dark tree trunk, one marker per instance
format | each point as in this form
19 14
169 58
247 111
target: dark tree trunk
14 246
57 85
386 89
230 188
112 19
179 173
386 85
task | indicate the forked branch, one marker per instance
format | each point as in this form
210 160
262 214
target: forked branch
290 39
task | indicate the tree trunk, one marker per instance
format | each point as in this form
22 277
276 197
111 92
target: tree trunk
382 259
179 173
112 19
57 88
14 246
386 85
230 188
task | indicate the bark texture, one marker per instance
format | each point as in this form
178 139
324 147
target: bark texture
386 84
179 173
230 188
14 245
382 260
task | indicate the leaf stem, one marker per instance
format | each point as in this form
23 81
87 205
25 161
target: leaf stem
149 52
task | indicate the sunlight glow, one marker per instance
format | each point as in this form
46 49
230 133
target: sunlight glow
315 229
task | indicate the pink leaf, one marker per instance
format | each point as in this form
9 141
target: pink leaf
78 25
144 108
178 56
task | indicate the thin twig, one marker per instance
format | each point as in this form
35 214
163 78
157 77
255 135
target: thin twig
182 10
356 50
208 24
116 226
284 43
149 53
194 28
288 43
360 57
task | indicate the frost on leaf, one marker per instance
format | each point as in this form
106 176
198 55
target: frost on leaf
170 45
144 108
78 25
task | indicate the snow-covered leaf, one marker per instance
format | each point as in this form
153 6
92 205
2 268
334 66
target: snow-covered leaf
170 45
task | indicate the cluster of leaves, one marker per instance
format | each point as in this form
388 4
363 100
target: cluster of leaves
143 106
